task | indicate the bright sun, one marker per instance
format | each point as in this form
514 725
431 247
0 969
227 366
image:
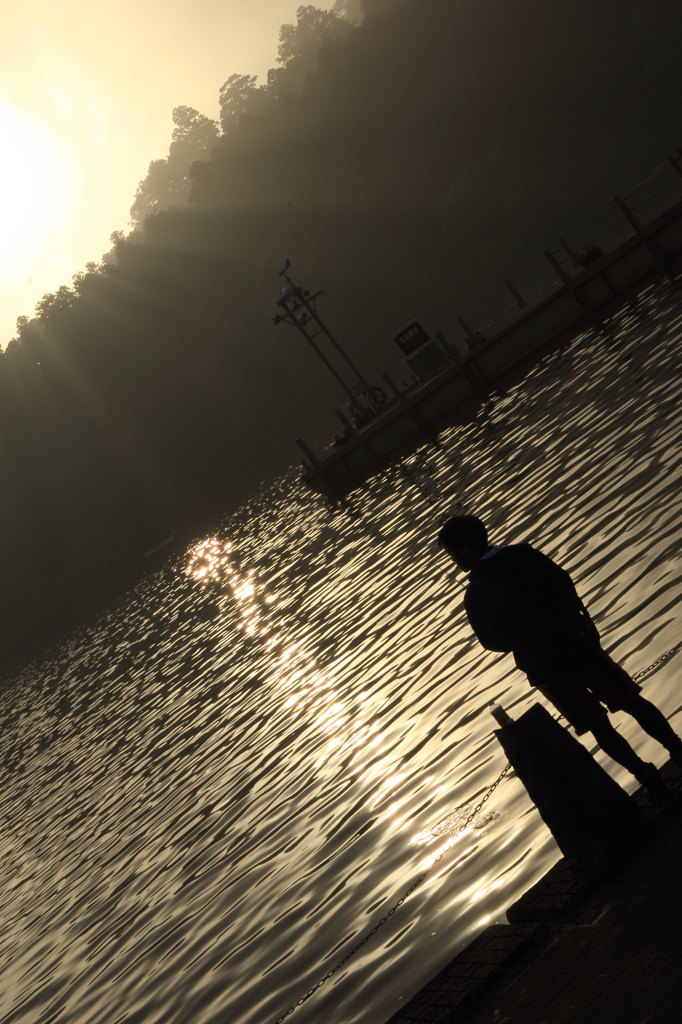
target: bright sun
36 185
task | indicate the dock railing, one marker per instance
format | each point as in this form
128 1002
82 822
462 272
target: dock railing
579 266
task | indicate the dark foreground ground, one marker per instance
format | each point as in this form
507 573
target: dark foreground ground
576 953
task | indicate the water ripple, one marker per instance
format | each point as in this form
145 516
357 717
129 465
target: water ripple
212 794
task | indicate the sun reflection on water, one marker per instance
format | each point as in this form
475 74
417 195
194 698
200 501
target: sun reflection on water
235 775
307 690
295 673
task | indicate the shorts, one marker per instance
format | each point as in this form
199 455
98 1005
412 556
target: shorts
580 691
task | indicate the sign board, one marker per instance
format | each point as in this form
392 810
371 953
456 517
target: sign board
411 337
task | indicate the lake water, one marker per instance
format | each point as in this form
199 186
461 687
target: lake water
211 795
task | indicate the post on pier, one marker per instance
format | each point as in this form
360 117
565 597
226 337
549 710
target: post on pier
675 164
593 820
475 337
575 259
570 252
335 493
575 292
648 241
518 297
426 430
471 371
372 458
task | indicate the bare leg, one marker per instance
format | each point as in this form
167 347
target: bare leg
655 724
618 748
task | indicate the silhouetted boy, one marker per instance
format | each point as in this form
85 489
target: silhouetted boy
519 600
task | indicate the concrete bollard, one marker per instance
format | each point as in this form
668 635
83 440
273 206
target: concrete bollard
593 820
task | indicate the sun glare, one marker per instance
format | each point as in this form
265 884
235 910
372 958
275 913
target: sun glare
36 185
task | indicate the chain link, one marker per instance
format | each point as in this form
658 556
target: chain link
382 921
659 661
470 817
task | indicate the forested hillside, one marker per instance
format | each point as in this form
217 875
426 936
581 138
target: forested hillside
407 156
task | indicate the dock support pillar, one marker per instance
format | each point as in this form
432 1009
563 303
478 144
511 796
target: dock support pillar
354 432
577 294
426 430
593 820
471 372
575 259
475 337
675 164
334 493
571 253
518 297
649 242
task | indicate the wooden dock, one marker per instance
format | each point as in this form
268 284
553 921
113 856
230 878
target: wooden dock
589 289
578 949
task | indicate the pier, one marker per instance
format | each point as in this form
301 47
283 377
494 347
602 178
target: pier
577 949
598 938
645 245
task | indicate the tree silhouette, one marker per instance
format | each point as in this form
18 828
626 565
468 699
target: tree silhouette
240 97
409 163
314 28
168 180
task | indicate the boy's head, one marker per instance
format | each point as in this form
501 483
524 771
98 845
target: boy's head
465 539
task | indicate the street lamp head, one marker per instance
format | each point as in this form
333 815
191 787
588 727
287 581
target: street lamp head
276 318
287 292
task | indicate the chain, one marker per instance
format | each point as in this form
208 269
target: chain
659 661
389 913
470 817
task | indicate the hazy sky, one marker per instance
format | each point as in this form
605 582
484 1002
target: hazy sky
86 95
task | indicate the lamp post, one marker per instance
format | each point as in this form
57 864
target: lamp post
300 311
